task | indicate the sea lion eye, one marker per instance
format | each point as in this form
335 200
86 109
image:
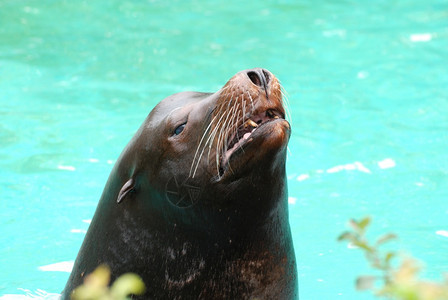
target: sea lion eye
179 129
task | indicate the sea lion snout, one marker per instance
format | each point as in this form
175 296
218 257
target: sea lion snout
246 108
259 77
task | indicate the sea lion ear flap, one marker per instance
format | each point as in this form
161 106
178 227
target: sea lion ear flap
125 189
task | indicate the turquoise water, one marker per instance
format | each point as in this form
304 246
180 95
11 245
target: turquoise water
368 92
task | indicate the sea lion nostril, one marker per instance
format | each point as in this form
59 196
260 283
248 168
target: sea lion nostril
260 77
255 78
266 76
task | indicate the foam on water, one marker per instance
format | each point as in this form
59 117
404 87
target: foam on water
36 295
64 266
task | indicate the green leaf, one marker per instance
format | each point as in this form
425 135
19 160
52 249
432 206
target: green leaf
94 286
126 284
364 223
354 224
361 226
347 236
365 282
386 238
389 256
363 245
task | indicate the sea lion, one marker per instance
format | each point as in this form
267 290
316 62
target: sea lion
196 204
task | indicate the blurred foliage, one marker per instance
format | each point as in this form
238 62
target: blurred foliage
399 282
96 286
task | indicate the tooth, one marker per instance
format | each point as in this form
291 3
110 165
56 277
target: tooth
275 117
251 123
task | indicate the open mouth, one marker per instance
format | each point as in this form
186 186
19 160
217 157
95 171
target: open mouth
245 131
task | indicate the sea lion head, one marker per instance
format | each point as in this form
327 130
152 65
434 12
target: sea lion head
222 151
197 202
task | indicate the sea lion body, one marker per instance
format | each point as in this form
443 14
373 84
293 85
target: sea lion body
196 204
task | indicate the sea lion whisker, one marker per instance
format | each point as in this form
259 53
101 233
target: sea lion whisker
225 133
286 103
251 100
203 135
244 109
216 139
230 102
236 123
226 87
209 141
218 128
226 121
214 132
285 97
231 128
221 146
235 127
204 146
203 149
200 142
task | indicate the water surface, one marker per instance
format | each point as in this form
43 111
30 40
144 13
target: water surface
367 85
